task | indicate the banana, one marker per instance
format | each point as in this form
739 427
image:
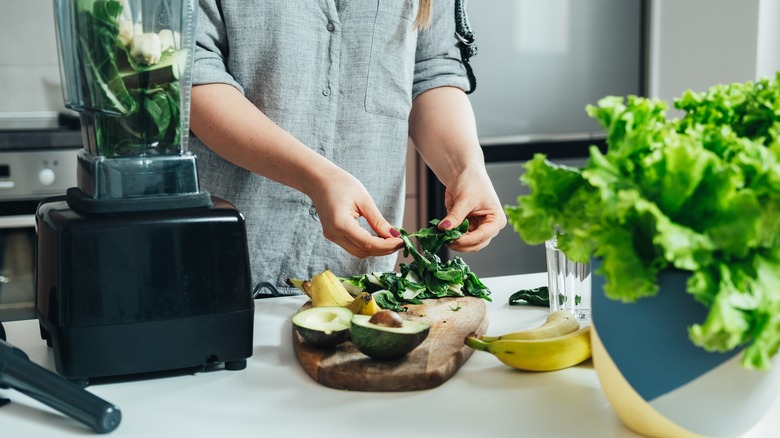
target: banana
558 323
371 307
364 304
356 306
548 354
331 292
327 290
303 285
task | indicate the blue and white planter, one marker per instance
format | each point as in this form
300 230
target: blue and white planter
662 385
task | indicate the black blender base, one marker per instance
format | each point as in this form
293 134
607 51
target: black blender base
140 292
85 353
235 365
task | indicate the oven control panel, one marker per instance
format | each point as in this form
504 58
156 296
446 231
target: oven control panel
36 174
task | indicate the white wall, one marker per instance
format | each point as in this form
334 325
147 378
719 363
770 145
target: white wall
29 70
695 44
768 62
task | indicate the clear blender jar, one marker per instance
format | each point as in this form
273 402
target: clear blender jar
126 69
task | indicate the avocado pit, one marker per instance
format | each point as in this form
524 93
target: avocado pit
387 318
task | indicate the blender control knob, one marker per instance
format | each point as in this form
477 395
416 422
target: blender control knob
47 176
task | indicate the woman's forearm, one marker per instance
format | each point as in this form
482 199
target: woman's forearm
230 125
443 129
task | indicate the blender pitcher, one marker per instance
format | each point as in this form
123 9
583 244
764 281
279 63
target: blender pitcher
126 69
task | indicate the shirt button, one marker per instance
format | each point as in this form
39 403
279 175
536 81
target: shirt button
312 211
330 26
321 151
326 91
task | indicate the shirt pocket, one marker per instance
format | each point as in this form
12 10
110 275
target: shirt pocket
391 64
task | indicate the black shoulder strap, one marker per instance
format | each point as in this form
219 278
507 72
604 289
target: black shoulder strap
467 46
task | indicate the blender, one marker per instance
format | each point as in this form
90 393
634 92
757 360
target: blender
137 269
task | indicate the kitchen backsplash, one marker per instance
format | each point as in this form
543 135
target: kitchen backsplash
29 70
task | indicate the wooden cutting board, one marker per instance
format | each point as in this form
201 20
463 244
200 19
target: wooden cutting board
429 365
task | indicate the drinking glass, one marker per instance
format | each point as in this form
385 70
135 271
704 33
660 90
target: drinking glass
568 282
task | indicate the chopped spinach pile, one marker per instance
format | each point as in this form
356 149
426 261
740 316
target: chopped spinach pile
136 109
699 193
426 276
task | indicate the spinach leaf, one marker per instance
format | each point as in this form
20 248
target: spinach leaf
426 276
432 238
539 296
387 300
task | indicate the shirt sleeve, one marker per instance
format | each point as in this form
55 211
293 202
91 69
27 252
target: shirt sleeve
438 61
211 47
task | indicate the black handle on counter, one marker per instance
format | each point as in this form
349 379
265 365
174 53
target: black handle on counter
55 391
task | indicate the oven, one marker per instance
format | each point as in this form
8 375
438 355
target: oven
37 160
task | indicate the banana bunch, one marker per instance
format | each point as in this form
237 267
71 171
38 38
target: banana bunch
325 289
558 343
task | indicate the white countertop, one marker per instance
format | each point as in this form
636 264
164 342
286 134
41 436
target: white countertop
274 397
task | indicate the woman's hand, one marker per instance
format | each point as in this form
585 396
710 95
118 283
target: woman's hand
340 200
471 196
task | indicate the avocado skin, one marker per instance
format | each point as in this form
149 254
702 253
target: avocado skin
384 343
322 339
319 337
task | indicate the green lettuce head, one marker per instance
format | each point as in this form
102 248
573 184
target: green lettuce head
699 193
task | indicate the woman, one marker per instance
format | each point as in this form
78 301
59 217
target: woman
302 111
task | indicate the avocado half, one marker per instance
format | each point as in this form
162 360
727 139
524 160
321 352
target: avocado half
384 342
323 326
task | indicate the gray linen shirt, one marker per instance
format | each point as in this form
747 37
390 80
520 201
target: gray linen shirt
340 76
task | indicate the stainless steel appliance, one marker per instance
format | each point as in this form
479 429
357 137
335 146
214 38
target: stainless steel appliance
137 270
37 159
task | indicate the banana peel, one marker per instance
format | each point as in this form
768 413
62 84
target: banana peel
325 289
303 285
558 323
